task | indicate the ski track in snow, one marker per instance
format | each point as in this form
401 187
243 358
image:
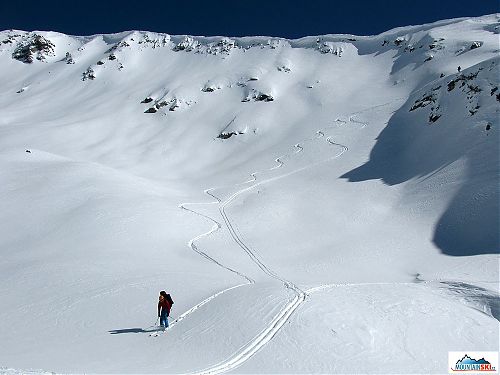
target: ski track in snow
279 320
215 228
255 344
196 307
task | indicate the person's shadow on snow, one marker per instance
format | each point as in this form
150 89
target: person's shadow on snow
131 330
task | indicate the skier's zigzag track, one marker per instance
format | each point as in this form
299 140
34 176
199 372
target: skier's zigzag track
238 240
215 228
266 335
254 345
193 246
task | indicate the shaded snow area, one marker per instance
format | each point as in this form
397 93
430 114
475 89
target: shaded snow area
322 205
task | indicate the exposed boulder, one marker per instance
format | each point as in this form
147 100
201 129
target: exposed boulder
227 135
68 58
264 98
476 44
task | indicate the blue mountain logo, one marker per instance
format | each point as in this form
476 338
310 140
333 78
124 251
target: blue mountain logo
468 364
466 360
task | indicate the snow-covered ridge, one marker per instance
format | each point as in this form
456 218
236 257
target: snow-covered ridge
331 43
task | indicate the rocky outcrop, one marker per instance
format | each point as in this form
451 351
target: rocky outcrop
470 85
35 47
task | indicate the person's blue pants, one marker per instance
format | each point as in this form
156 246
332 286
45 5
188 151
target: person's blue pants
164 321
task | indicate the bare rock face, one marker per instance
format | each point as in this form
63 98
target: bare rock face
35 47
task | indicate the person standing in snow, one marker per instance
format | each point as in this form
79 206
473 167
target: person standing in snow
163 309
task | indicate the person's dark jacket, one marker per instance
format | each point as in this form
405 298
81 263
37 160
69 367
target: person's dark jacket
163 307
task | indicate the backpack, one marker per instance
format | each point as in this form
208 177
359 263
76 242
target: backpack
170 300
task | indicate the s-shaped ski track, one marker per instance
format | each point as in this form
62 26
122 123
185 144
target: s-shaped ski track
254 345
266 335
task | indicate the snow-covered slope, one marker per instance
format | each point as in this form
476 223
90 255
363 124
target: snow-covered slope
327 204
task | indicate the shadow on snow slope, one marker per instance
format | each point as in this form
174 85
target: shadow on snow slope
409 148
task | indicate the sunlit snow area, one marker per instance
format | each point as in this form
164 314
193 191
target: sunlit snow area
322 205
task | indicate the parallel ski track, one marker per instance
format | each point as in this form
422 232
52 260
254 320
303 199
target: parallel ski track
254 345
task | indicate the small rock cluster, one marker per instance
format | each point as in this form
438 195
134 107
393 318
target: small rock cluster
428 99
88 74
258 96
172 104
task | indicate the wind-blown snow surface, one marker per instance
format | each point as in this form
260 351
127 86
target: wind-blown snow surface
327 204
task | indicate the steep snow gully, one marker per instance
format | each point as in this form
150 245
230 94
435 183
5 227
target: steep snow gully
267 334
